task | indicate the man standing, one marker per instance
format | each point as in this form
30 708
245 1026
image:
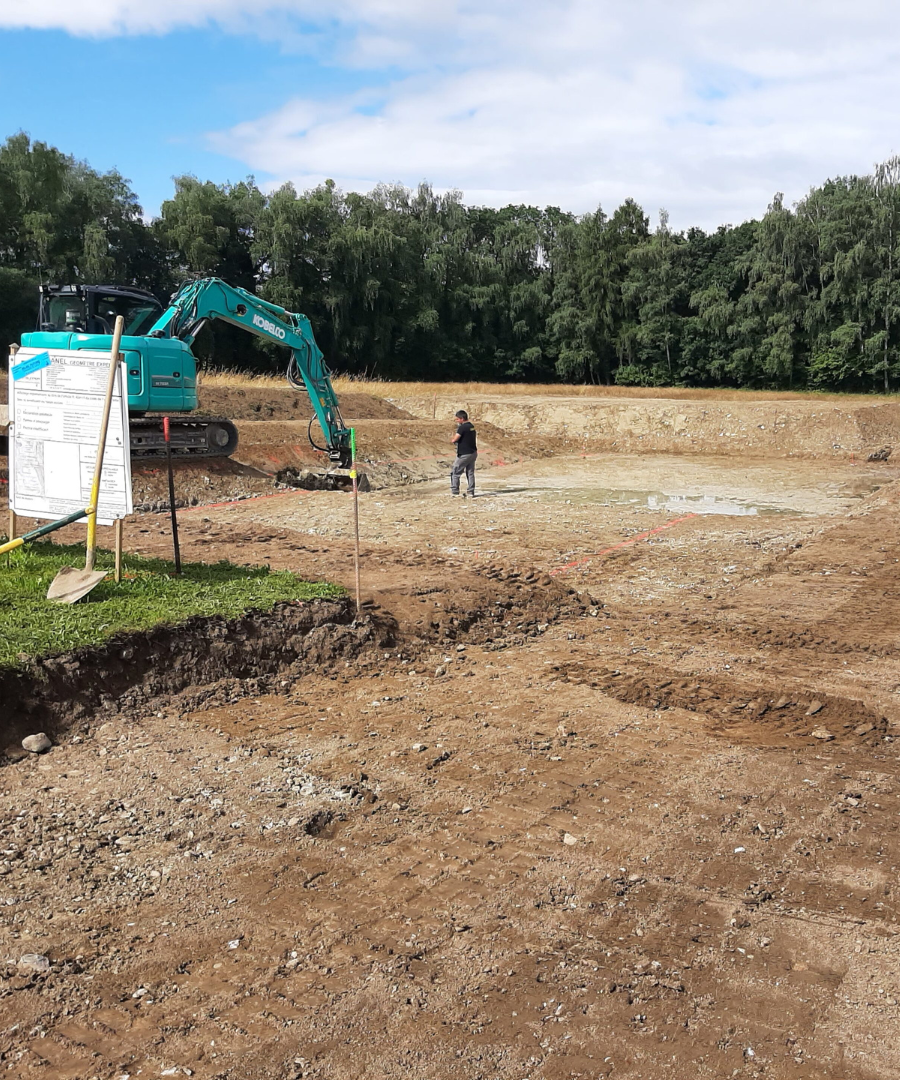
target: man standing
466 453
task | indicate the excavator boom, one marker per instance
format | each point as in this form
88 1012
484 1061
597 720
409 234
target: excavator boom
210 299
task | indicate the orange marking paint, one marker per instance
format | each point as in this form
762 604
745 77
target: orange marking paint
623 544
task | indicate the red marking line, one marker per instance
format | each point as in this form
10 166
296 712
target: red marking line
623 543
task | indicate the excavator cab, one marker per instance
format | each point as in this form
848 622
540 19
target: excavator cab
92 309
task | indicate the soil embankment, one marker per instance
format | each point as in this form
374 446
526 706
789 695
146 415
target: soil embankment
59 694
647 425
391 451
249 402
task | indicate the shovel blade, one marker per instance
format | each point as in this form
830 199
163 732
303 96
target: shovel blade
70 584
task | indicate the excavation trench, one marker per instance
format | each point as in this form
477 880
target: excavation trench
213 660
136 670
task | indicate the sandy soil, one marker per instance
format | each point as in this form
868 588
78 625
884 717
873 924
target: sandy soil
621 801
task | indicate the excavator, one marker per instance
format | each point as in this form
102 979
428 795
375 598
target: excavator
162 370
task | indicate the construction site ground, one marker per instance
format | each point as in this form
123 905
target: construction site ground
615 794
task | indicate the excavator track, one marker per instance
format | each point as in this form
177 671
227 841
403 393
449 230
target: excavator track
191 436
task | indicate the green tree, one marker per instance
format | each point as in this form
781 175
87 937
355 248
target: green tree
885 185
655 286
63 222
592 323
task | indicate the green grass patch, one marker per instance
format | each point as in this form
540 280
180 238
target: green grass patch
149 595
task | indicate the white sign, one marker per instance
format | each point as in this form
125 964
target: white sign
56 402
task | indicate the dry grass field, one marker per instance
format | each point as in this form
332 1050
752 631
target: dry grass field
386 389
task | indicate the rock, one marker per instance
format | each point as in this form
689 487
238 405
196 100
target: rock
822 733
37 744
419 747
863 729
880 455
569 839
439 671
816 706
35 962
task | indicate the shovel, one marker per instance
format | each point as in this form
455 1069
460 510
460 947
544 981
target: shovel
70 584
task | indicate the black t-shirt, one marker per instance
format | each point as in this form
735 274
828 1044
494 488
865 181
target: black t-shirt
466 444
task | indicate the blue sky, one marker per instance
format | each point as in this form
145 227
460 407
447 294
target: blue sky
703 108
144 105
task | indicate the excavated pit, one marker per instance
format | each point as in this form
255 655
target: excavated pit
597 789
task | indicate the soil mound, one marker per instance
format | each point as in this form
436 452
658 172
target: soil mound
765 428
391 451
198 482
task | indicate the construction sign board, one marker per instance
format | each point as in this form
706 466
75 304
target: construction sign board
56 402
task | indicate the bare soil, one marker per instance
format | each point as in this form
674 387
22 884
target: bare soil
253 402
610 789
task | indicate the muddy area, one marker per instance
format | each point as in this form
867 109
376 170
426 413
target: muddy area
611 791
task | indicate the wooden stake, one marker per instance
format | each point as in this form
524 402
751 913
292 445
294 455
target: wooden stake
119 526
11 534
355 515
101 445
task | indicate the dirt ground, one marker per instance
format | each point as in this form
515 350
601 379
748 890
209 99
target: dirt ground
620 800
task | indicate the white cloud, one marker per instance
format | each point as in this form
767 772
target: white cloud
109 18
702 107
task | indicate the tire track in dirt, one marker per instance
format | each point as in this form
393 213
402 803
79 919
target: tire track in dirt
740 710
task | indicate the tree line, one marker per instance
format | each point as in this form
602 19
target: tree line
413 284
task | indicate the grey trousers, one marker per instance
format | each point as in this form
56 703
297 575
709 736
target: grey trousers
465 463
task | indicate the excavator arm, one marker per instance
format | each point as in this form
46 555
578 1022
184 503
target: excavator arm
209 299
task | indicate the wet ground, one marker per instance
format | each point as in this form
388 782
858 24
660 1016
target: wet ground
682 485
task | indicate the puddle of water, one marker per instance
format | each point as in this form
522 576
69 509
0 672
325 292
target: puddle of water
676 503
652 500
691 490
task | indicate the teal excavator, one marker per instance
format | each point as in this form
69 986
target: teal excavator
162 370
